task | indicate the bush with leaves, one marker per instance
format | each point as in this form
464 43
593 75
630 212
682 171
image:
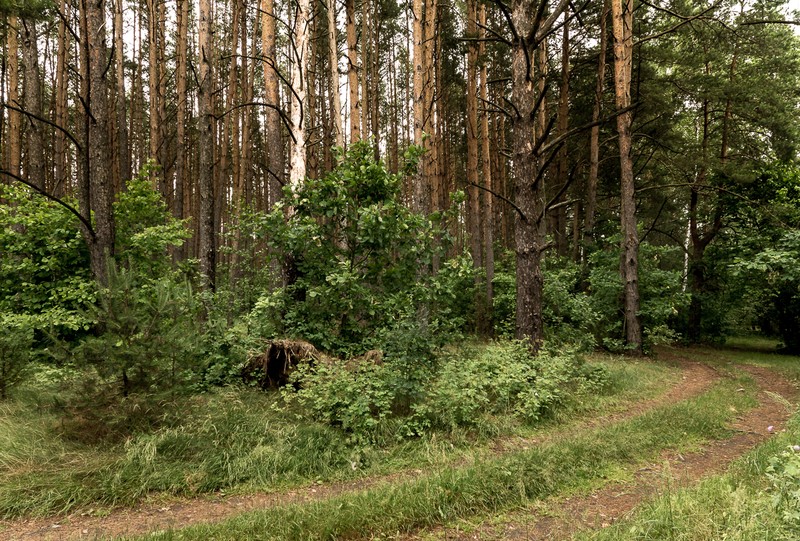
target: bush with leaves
783 473
358 256
506 378
568 314
44 263
16 342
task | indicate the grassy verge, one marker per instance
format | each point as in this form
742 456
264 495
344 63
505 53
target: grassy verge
492 485
234 440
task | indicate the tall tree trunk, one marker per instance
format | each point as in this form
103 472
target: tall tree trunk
153 74
488 212
121 107
272 128
298 98
420 199
33 104
594 137
336 100
205 140
98 192
352 71
622 17
181 67
14 118
474 206
562 168
60 144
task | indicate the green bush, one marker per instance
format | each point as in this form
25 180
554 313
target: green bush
147 336
355 399
505 379
783 473
359 259
44 263
568 313
16 342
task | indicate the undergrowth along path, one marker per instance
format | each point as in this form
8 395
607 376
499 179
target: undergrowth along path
696 378
560 518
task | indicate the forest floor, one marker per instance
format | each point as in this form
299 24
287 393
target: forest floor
558 517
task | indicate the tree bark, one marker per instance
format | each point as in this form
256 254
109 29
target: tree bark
121 106
488 206
298 98
336 100
594 137
352 71
33 104
207 233
272 129
14 156
622 17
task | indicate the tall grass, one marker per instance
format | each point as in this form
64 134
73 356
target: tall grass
237 440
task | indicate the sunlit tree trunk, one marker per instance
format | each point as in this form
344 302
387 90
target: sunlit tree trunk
298 97
272 129
123 164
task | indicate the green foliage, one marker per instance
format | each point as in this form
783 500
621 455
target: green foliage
16 342
458 391
44 263
145 227
358 256
783 473
660 289
505 379
355 399
774 282
147 335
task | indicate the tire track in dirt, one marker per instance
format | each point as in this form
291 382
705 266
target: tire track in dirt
180 513
563 518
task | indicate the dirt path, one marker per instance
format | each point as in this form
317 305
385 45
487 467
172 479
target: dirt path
562 518
696 379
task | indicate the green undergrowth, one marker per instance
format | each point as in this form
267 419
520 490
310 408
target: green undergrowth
494 484
240 440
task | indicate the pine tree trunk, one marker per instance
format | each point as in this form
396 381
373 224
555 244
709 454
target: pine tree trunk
272 129
14 156
594 137
336 100
352 71
33 104
207 233
622 16
121 107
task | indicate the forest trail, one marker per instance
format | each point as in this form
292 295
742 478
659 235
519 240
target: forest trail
595 510
562 518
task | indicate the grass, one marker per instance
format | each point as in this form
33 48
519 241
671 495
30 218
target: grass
235 440
492 485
